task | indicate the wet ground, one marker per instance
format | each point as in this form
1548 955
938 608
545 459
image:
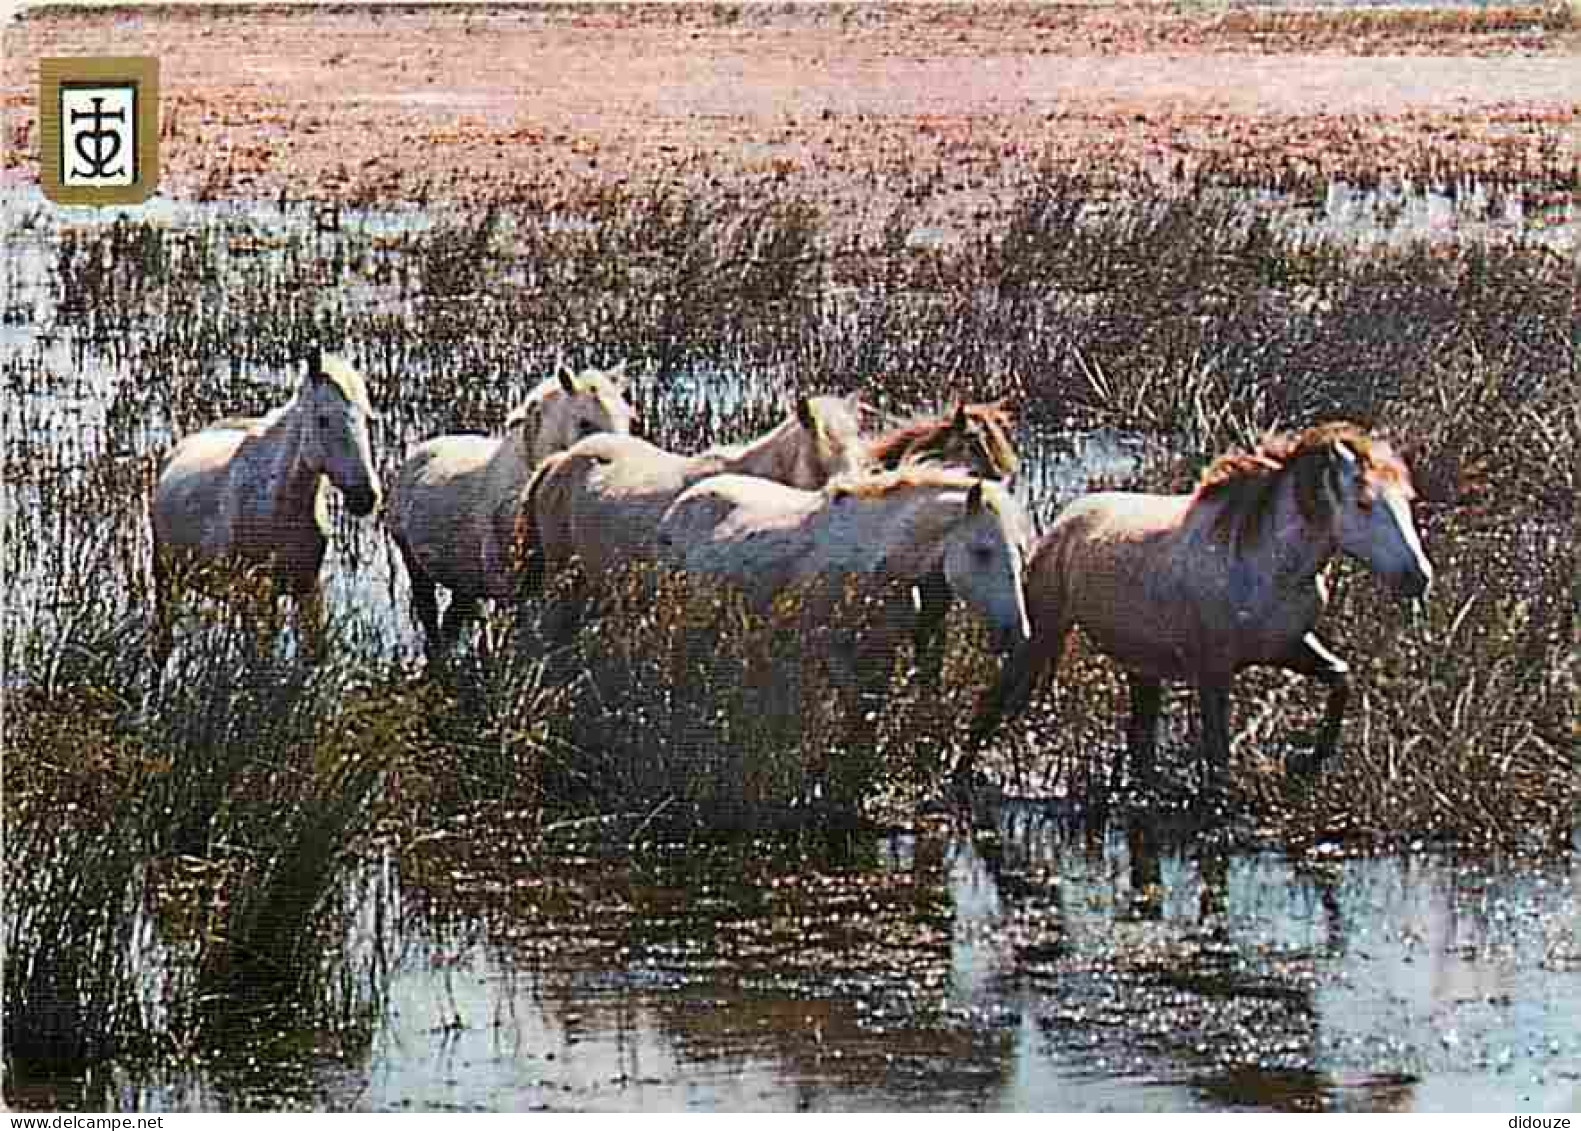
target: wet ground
1039 969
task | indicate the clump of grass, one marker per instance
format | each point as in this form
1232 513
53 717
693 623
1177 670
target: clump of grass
181 841
690 706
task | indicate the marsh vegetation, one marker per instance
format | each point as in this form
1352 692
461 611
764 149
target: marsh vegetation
185 845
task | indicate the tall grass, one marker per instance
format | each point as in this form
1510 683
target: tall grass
178 842
218 813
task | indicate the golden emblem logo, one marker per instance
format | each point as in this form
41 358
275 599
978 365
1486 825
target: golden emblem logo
99 129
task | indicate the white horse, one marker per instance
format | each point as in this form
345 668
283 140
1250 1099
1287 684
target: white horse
600 501
452 512
247 496
892 533
1196 587
907 525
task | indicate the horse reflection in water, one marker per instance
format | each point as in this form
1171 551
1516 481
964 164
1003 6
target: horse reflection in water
1196 587
243 503
452 513
894 530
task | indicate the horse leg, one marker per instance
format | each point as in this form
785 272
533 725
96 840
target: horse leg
463 608
1029 664
927 634
1311 657
566 611
1141 735
1213 702
425 602
310 618
164 613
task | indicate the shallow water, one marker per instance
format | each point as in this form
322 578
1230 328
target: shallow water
1032 970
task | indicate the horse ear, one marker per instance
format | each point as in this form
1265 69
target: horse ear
567 379
805 415
974 498
1341 469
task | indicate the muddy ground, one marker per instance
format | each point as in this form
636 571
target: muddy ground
863 105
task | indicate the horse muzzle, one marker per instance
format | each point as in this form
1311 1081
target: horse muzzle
1414 582
1007 638
362 501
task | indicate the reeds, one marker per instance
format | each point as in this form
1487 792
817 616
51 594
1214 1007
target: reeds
1186 315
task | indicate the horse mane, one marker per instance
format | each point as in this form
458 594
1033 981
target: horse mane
1247 483
346 378
595 381
838 431
894 481
925 437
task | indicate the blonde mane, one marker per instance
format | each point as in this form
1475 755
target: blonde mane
603 384
929 477
972 430
907 476
837 431
346 378
1247 483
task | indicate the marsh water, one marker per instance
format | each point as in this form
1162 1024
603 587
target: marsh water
1037 965
1038 969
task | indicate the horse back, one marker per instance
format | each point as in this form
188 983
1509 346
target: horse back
437 487
192 492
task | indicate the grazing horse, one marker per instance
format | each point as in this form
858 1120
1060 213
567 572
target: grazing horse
600 501
975 438
1195 587
248 494
452 511
905 526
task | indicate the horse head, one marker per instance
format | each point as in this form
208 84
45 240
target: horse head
1371 492
569 407
829 443
985 561
978 438
334 398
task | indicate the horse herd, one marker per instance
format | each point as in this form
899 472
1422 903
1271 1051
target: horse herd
1188 588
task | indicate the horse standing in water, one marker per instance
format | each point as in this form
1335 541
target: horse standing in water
895 527
452 513
1195 587
247 495
974 438
600 501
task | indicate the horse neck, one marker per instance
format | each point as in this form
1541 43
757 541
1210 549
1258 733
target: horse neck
278 451
893 448
903 530
1289 546
774 455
